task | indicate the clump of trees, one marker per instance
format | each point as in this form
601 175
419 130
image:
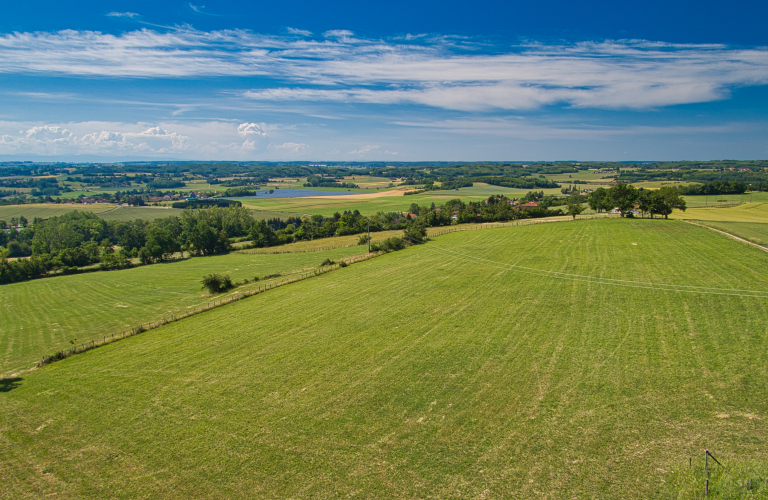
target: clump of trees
217 283
319 181
714 187
626 199
80 239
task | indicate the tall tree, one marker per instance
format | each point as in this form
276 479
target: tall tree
623 196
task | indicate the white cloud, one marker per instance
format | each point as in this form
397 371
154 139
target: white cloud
338 34
129 15
296 31
192 140
434 72
200 9
365 150
293 147
250 129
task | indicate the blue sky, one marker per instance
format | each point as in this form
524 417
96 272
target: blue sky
392 81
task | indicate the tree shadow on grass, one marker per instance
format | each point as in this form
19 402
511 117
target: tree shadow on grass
8 384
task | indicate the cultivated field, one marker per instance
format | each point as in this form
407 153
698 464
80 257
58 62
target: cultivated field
112 212
748 212
748 221
756 232
718 200
42 316
576 360
327 206
132 213
47 210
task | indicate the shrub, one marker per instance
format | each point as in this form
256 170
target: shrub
216 283
389 245
327 262
363 239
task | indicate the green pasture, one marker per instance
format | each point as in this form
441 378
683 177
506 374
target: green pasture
756 232
48 210
147 213
41 316
463 368
718 200
661 184
748 221
747 212
328 206
591 177
369 181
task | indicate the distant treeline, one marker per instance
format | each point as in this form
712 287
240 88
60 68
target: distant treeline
81 238
209 202
758 179
318 181
518 183
714 187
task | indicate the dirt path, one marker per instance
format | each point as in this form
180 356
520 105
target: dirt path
729 235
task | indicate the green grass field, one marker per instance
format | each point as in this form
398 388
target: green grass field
463 368
370 206
111 212
715 201
147 213
41 316
748 212
661 184
47 210
756 232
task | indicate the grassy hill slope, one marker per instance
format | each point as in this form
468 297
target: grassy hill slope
41 316
439 371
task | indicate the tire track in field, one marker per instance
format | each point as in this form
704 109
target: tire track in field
738 238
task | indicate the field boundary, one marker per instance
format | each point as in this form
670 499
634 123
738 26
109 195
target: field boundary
237 296
145 327
726 233
436 231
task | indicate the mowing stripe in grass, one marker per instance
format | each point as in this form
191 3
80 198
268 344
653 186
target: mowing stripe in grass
94 343
607 281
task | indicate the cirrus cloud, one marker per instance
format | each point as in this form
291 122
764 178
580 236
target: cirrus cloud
432 71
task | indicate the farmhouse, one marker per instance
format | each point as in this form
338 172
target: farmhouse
530 204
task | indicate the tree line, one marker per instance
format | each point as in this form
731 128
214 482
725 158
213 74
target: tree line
627 199
79 239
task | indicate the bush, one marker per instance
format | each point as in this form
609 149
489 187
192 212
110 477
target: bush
416 233
362 240
216 283
327 262
389 245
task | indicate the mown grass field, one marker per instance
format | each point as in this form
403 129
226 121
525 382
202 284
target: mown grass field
441 371
369 206
47 210
715 201
756 232
748 212
40 317
132 213
661 184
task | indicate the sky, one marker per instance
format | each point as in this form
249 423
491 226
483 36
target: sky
385 81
